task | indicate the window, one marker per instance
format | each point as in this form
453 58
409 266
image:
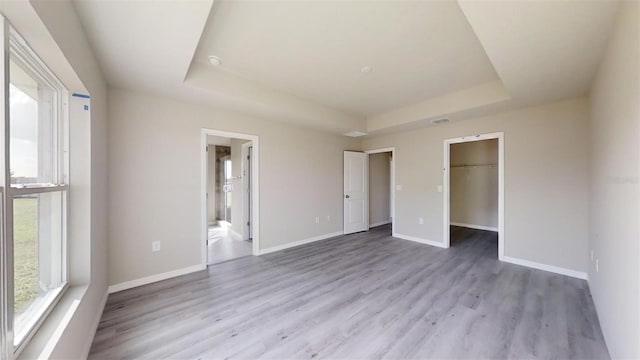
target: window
35 194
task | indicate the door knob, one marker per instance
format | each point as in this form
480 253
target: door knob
346 196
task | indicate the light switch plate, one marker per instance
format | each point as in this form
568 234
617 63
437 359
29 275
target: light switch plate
439 188
398 187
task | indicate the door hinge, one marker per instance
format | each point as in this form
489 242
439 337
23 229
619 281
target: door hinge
247 223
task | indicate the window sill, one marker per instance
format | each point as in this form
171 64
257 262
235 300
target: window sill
45 339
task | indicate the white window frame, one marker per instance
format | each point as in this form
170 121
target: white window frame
12 43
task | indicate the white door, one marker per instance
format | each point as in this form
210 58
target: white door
356 192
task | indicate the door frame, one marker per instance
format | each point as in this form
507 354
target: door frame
446 198
392 198
246 202
255 181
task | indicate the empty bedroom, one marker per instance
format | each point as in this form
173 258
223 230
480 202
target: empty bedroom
213 179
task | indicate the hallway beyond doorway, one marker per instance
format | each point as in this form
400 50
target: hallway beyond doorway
221 246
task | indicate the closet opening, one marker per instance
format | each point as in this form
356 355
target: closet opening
474 194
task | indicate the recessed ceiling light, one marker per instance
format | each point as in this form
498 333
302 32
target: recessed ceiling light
214 60
366 69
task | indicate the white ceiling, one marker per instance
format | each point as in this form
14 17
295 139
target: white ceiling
315 49
144 44
299 61
543 50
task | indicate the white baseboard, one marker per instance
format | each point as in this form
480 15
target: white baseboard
94 325
419 240
298 243
545 267
155 278
478 227
234 235
380 223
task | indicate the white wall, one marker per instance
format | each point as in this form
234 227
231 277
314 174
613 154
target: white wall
546 183
615 215
379 188
154 185
474 189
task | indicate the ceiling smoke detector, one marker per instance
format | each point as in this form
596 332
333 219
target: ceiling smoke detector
440 121
214 60
355 134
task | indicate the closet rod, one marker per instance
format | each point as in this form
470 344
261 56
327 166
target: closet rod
473 166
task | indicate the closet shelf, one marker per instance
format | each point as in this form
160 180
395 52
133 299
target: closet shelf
474 166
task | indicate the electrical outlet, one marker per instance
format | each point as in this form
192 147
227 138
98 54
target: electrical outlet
420 220
328 217
597 265
592 255
317 219
398 187
155 246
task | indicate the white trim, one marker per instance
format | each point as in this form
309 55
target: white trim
154 278
246 203
392 214
446 191
255 188
379 224
299 242
419 240
550 268
478 227
383 150
234 234
94 325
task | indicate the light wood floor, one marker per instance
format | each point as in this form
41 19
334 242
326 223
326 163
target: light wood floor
223 247
364 295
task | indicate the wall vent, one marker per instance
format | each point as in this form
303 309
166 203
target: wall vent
440 121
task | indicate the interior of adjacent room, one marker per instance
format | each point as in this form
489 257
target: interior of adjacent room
228 209
473 190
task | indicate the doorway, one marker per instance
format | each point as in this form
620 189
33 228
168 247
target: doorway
369 199
473 187
381 194
229 196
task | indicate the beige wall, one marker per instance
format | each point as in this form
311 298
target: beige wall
615 155
154 186
546 168
237 198
474 189
379 188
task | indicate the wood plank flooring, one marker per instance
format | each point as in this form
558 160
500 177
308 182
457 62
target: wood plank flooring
359 296
223 247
